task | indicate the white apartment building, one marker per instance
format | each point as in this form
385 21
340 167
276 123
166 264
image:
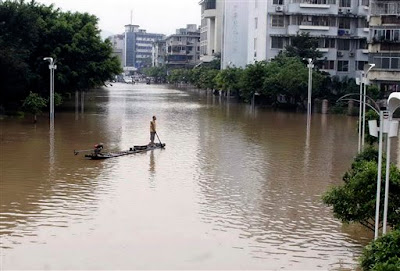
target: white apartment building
384 45
340 26
211 29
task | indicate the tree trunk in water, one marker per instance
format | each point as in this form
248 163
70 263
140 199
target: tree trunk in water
34 118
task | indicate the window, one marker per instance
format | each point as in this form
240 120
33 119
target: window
344 23
326 43
365 3
278 21
276 43
255 23
360 65
343 66
385 62
395 63
278 2
345 3
328 65
343 45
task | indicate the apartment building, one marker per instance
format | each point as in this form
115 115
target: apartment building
138 46
159 53
182 49
340 26
384 45
211 29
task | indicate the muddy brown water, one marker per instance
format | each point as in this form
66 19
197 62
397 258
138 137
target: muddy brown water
235 188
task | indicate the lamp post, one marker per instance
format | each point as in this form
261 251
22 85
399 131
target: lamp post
52 67
365 81
310 66
360 112
393 104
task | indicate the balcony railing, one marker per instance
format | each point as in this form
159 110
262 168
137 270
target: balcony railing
391 8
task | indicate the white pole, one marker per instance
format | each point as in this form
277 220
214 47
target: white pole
363 124
310 66
360 115
385 208
378 181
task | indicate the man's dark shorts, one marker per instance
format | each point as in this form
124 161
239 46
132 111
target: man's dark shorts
152 135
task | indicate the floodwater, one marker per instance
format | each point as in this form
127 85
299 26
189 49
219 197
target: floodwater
235 188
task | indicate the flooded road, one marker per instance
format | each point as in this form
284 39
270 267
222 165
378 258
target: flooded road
235 188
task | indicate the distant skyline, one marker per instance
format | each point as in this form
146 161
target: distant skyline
156 16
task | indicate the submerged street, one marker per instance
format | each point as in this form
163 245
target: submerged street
234 187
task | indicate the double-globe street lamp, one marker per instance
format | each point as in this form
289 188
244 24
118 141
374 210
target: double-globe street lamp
390 127
52 67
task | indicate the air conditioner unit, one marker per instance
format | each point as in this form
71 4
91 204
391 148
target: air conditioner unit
348 11
339 54
351 54
340 11
279 8
309 18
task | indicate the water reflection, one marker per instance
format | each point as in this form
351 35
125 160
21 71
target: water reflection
235 187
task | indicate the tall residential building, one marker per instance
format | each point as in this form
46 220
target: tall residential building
384 45
236 31
138 46
211 29
183 47
339 25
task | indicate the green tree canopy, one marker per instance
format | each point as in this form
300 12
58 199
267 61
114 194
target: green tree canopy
303 46
354 201
31 31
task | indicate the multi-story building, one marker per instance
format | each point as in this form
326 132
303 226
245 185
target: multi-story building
118 43
384 45
211 29
138 46
340 26
159 53
183 48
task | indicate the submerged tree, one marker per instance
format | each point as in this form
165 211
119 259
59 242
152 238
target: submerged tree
33 104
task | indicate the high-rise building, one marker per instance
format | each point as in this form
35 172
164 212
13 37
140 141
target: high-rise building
384 45
138 46
211 29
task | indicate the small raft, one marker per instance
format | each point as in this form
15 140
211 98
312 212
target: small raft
135 149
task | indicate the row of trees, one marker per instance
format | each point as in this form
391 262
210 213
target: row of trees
31 31
281 82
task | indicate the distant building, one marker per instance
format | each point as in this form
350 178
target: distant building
183 48
384 45
159 53
211 29
138 47
118 44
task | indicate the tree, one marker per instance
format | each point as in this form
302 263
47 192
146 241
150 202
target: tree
253 78
33 104
229 79
354 201
31 31
303 46
383 254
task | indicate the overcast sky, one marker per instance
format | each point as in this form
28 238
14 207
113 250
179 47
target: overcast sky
156 16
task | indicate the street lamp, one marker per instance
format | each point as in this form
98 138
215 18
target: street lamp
365 81
310 66
52 67
360 111
393 104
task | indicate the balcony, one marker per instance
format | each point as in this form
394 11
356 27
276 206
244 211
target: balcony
314 30
384 75
362 32
306 8
210 13
385 8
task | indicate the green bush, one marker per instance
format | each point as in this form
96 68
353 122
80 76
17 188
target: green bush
382 254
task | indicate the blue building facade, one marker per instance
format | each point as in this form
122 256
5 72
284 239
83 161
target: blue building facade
138 46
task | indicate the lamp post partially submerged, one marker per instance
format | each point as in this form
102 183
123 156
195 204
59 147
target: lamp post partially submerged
52 67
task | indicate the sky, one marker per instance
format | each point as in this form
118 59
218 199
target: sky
156 16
